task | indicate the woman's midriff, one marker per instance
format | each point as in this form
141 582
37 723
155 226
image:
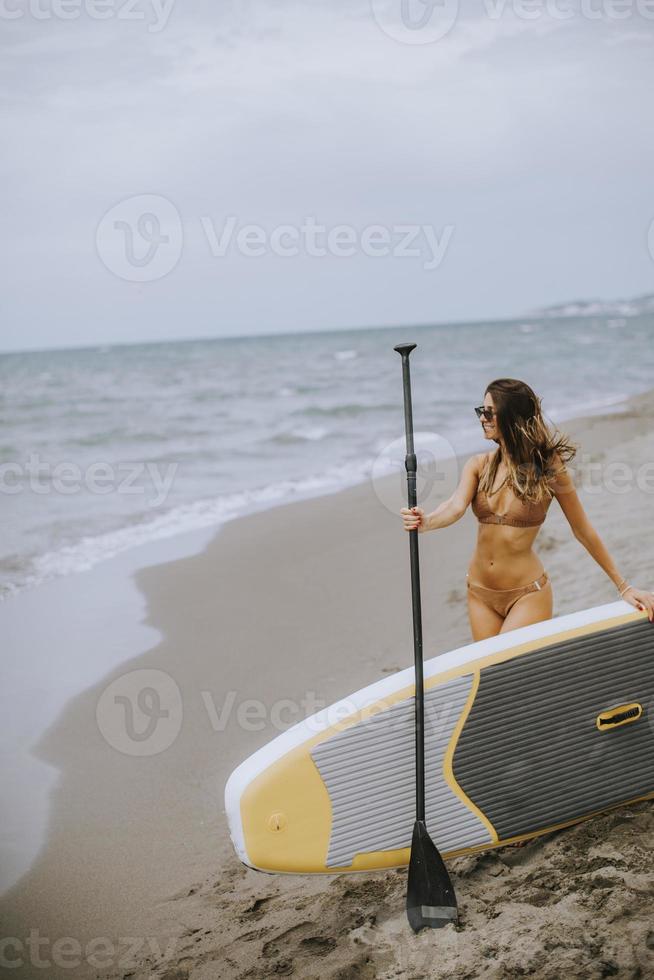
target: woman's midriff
503 558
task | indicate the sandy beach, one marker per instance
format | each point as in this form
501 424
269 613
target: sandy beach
285 609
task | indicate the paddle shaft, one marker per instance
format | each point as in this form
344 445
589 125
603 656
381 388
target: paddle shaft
410 464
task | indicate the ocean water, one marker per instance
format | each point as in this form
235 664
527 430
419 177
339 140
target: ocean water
106 448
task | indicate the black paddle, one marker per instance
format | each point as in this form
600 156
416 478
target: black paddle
430 898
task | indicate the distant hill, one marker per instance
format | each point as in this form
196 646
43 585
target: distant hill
599 307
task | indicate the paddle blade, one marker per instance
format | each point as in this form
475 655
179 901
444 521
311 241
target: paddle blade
430 898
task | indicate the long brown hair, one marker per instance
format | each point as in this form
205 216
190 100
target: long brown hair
529 442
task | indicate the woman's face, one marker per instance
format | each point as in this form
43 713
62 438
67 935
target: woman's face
490 425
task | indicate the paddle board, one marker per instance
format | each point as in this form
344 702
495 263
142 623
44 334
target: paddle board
525 732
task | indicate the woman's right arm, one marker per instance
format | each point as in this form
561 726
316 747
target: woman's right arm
450 510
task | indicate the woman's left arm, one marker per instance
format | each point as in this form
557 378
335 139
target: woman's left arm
565 492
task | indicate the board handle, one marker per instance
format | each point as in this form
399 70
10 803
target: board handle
622 715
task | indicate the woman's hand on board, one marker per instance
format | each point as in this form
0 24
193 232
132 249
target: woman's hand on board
641 600
414 518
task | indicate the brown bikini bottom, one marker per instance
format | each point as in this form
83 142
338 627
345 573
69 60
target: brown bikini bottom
501 600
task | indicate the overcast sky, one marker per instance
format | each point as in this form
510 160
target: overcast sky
216 168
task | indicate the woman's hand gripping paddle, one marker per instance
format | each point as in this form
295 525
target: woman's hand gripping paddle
430 898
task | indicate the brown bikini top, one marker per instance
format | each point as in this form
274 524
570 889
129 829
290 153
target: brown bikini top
519 513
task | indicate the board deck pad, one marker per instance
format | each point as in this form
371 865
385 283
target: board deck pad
530 753
524 732
368 769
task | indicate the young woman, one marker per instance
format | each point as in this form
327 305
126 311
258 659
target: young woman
510 489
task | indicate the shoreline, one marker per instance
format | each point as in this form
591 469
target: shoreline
270 612
90 553
98 625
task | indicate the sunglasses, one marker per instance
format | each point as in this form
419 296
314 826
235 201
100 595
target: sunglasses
488 413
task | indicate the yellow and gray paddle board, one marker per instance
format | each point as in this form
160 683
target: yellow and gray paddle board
525 732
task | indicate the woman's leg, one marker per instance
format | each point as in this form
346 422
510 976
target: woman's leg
484 621
533 607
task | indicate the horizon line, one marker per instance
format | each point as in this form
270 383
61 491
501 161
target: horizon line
538 314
